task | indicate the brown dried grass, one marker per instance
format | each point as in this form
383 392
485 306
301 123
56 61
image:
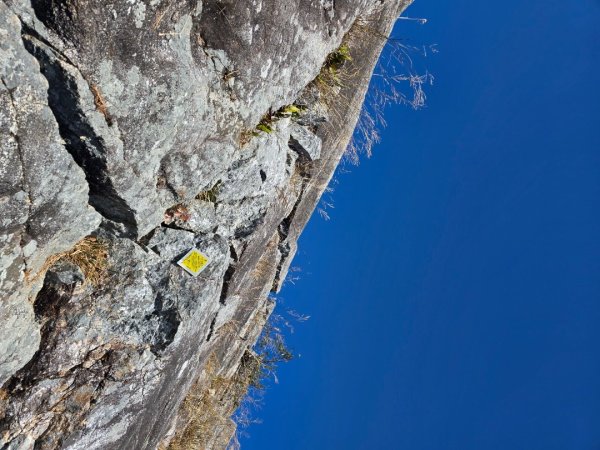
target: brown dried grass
208 406
90 254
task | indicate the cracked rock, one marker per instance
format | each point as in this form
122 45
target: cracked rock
305 143
43 194
135 122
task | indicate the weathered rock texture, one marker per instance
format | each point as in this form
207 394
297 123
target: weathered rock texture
134 121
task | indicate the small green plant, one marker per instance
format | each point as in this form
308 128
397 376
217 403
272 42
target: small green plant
290 111
210 195
267 122
330 74
264 127
339 57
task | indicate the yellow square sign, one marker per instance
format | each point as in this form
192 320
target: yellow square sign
193 262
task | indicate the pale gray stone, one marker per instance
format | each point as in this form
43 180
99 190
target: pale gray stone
305 143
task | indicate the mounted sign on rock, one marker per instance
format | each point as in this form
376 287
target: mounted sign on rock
193 262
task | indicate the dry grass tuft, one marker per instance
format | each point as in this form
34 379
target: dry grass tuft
4 396
265 267
230 327
202 408
210 408
213 399
395 80
89 254
335 74
246 136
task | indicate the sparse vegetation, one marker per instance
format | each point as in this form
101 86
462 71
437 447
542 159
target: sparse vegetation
90 255
4 396
210 195
270 118
290 111
335 74
265 126
229 74
203 410
395 80
267 122
214 398
257 367
246 136
394 72
270 350
331 74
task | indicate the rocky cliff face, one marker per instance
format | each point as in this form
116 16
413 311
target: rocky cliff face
132 131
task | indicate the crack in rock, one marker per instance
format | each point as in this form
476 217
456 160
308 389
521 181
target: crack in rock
85 146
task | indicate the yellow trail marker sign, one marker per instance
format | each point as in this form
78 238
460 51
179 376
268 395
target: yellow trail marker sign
193 262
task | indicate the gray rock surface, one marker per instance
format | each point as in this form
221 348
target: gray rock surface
305 142
43 194
135 121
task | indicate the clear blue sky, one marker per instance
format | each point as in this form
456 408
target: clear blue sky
455 293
